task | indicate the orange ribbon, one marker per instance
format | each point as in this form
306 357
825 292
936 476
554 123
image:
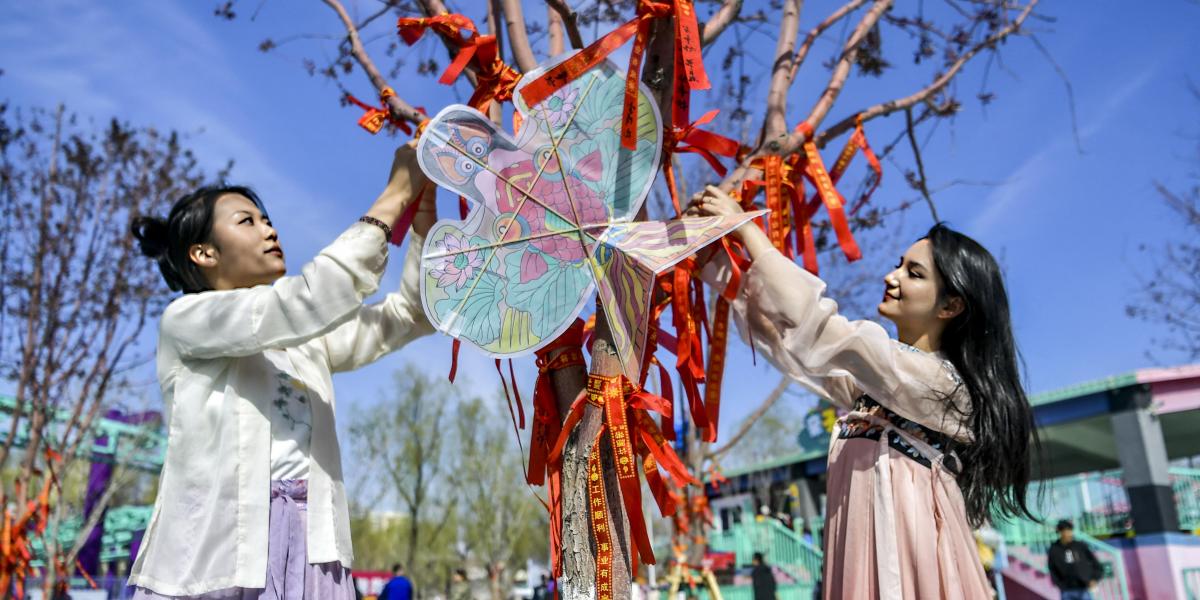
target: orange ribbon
715 373
15 552
689 64
858 141
815 172
633 434
598 517
698 141
377 116
686 315
690 72
450 25
495 80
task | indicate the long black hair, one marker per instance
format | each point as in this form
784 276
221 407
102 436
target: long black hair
979 343
190 222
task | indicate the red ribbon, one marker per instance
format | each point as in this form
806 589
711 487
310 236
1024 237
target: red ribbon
690 138
376 117
814 171
495 80
858 141
547 425
450 25
689 70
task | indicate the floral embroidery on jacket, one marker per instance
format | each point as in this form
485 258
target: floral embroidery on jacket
290 394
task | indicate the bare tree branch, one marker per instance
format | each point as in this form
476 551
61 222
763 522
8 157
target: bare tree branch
841 71
570 20
720 21
921 181
926 93
815 32
780 143
775 121
753 418
554 32
1062 74
518 37
398 106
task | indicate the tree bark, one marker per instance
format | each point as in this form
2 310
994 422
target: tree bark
578 581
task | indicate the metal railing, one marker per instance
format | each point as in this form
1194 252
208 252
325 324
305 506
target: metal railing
1186 485
1029 541
1191 583
791 591
779 545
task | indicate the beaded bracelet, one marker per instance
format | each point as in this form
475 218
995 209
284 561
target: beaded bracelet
387 230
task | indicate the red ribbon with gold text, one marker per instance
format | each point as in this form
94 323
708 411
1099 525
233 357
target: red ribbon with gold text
547 424
687 42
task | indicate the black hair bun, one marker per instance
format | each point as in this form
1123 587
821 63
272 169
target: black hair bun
151 234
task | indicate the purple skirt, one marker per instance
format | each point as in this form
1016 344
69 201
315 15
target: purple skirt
289 576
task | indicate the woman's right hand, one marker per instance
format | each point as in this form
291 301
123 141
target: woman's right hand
715 202
404 183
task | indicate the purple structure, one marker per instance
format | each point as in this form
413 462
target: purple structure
98 479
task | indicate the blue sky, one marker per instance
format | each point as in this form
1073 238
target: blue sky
1065 223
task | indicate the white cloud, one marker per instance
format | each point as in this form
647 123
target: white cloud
105 59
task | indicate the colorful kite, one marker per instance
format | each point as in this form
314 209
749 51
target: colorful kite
552 218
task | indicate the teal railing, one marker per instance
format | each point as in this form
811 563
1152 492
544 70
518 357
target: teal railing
779 545
1186 484
1028 541
1191 583
1099 506
120 525
787 591
139 446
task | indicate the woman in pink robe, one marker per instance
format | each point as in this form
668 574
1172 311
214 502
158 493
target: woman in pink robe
939 429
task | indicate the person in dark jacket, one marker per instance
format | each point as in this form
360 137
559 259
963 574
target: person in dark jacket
763 579
1073 568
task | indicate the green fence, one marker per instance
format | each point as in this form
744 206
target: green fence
1191 583
779 545
794 591
1186 484
1035 539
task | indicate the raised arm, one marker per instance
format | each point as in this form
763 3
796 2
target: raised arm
289 312
782 309
385 327
294 310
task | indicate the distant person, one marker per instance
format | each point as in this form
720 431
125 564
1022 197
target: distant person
542 591
398 587
763 579
1073 568
459 588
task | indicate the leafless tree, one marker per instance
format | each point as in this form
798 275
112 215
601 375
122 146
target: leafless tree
943 44
75 295
1170 293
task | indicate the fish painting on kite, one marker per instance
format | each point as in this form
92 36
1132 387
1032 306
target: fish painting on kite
552 217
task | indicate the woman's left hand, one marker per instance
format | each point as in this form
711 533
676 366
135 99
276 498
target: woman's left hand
715 203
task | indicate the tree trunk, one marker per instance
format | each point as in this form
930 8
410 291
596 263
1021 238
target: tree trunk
579 553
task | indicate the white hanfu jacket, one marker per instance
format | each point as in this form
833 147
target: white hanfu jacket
209 527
